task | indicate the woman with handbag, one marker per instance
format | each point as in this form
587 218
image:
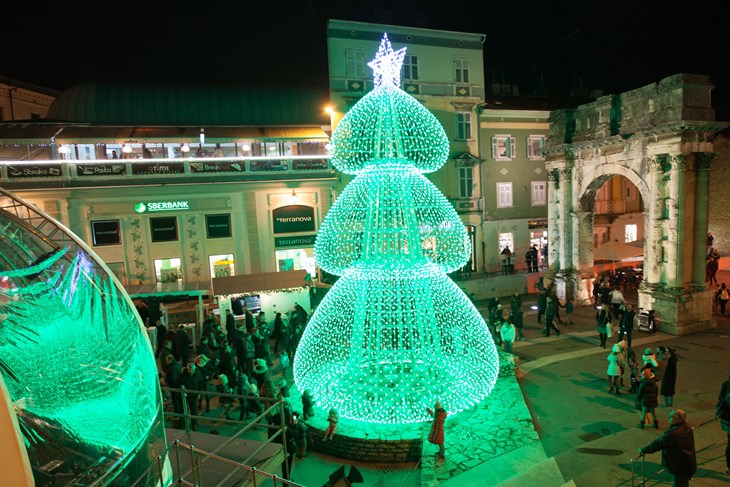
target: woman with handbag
603 320
615 366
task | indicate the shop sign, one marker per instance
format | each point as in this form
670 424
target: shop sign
269 165
153 206
300 241
216 167
164 229
218 226
293 219
101 169
542 223
34 171
105 232
310 164
145 169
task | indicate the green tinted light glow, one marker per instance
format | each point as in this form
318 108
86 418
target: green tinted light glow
394 333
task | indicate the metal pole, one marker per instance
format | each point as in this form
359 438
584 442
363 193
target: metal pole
186 417
253 474
192 465
177 456
287 473
159 467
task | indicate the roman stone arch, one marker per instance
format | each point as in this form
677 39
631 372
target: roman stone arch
660 138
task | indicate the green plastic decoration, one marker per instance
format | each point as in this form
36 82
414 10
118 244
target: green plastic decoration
394 334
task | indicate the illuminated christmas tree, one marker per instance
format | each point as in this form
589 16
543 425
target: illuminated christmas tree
394 333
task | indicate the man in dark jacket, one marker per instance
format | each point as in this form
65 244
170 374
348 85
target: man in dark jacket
626 326
647 397
678 449
192 379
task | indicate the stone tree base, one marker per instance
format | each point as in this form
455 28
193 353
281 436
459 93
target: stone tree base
678 311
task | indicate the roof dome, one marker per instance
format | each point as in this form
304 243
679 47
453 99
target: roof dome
188 104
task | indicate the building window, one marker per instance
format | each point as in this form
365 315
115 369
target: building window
462 70
629 190
410 68
354 66
222 265
168 270
630 233
539 193
504 195
463 125
503 147
535 146
466 182
505 240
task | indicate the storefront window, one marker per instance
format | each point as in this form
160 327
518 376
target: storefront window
222 265
168 270
505 240
295 259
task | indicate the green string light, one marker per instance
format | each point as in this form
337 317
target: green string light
394 333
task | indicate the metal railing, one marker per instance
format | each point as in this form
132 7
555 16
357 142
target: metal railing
198 462
642 457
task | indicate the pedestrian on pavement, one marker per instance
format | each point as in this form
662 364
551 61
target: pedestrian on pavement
677 445
436 435
551 307
626 326
569 310
723 412
647 398
615 364
603 321
649 359
722 298
605 290
596 293
541 301
669 380
516 319
507 333
617 300
515 303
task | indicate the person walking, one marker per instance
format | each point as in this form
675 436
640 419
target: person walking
617 300
677 445
722 298
603 322
615 365
541 301
626 326
669 381
723 412
551 307
647 398
436 435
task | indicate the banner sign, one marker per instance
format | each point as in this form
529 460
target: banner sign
164 229
146 169
215 167
105 232
309 164
34 171
301 241
101 169
274 165
293 219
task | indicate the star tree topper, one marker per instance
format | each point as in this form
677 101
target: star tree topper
387 64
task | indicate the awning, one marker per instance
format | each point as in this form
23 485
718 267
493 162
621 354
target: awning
194 288
263 282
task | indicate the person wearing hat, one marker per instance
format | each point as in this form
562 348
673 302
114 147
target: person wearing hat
647 397
677 445
615 365
260 372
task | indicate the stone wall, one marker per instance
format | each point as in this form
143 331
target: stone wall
719 213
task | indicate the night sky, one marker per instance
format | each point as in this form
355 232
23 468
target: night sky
612 46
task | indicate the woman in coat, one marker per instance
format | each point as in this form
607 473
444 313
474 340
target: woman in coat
670 378
647 398
603 324
615 365
436 435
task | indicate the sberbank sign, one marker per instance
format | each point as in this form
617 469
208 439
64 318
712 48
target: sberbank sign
152 206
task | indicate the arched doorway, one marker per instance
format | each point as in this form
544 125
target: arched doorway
641 137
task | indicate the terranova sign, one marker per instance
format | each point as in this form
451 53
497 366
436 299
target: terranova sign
153 206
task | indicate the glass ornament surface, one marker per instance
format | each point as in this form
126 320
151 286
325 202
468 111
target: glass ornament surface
394 334
75 357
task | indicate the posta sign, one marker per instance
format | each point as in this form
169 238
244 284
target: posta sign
152 206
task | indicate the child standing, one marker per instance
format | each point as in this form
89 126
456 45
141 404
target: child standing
333 418
507 333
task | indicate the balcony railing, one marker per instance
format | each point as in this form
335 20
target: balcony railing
126 171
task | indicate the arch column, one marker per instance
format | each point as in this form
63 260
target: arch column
674 284
582 256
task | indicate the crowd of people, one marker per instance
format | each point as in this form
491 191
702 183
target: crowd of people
242 363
